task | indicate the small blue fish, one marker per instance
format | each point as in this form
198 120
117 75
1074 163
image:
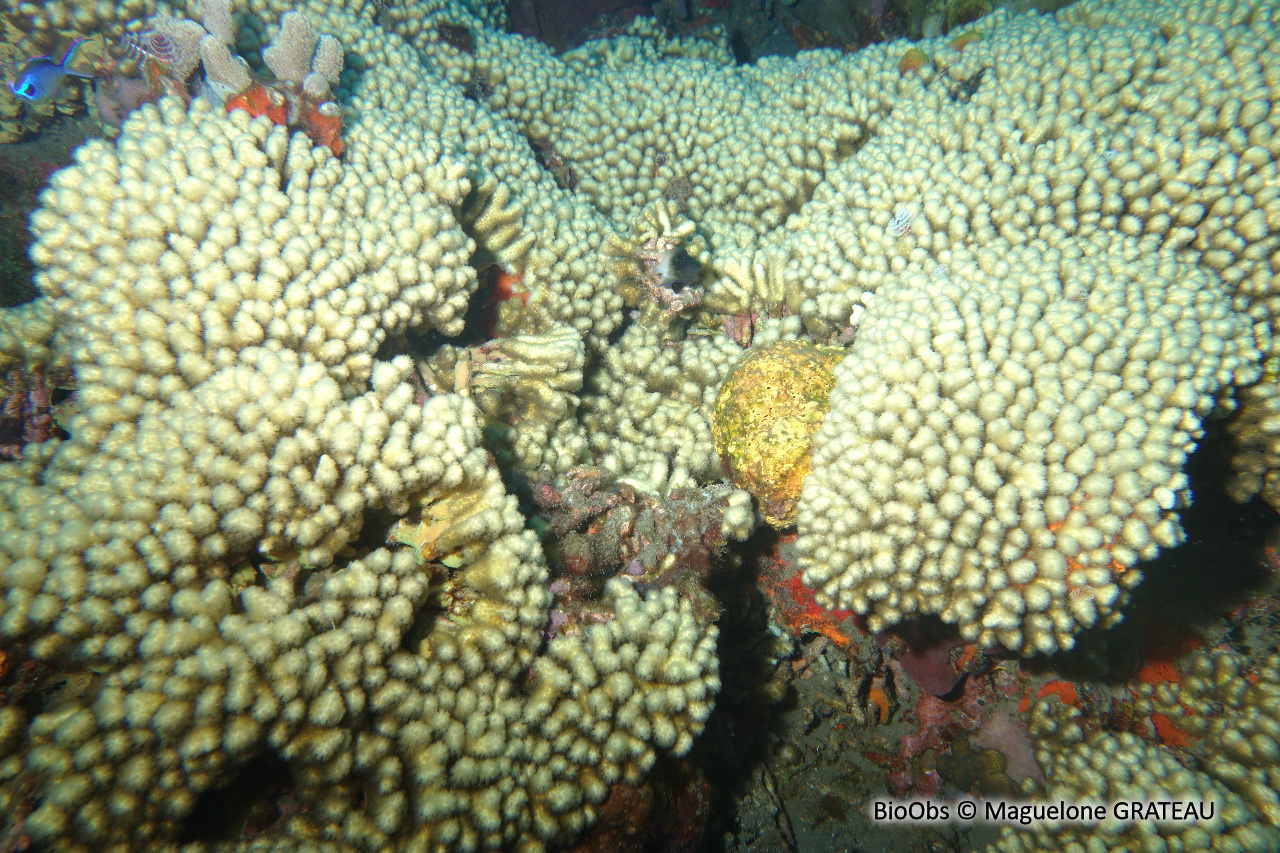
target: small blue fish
40 77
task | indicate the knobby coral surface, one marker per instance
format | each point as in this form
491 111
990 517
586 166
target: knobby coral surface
1049 253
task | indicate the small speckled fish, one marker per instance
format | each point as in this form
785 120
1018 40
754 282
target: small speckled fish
41 77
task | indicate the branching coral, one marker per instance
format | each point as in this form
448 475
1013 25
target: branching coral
526 382
1084 764
232 393
1068 230
965 471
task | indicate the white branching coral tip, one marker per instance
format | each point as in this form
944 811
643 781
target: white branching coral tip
290 52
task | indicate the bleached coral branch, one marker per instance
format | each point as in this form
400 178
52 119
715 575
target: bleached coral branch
290 52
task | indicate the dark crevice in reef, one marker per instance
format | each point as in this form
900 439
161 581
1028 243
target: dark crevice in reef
259 798
16 268
740 47
1186 589
477 321
741 731
425 617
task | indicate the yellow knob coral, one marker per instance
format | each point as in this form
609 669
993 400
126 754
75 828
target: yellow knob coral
767 413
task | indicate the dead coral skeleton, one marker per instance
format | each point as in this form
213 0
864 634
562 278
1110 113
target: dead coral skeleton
26 412
475 367
605 528
741 327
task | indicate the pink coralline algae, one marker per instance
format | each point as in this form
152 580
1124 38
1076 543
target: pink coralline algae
933 655
939 723
959 735
1004 732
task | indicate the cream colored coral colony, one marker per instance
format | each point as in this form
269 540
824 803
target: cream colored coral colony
1087 271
